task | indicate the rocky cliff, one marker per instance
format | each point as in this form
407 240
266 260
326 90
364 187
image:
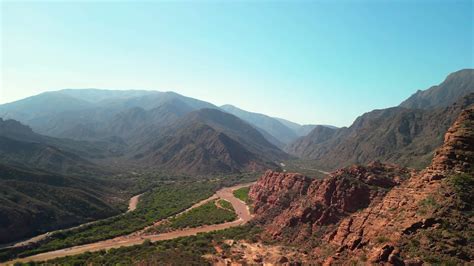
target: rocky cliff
294 207
377 213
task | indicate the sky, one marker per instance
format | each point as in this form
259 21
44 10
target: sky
312 62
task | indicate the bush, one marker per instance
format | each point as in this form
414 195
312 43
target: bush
463 184
179 251
242 194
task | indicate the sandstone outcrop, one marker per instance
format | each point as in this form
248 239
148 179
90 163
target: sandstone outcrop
294 207
379 213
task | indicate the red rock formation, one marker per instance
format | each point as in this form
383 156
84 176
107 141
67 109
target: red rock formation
457 153
372 213
402 211
294 206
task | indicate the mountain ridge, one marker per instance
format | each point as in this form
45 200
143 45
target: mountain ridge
402 135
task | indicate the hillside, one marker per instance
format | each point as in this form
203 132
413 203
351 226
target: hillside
304 146
397 135
210 141
379 213
21 147
455 86
47 184
34 202
271 125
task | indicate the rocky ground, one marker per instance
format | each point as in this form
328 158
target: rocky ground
245 253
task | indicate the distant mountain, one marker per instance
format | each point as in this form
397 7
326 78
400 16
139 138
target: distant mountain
152 128
455 86
42 105
299 130
271 125
403 135
304 145
21 147
399 135
120 119
209 141
131 124
88 114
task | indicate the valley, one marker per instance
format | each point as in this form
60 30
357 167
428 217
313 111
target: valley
140 177
235 133
134 239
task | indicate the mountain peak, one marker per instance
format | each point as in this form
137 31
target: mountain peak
456 85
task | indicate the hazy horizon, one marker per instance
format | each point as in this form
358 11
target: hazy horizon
307 62
217 104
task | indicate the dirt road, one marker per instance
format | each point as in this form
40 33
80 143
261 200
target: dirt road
240 207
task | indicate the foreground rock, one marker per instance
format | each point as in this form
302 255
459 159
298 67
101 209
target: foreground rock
379 213
294 207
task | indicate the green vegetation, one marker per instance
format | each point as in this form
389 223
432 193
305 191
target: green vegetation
160 203
34 202
206 214
427 204
226 205
447 243
179 251
463 184
172 195
305 167
242 194
382 239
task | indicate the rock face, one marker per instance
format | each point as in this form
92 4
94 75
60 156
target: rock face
375 213
294 207
457 153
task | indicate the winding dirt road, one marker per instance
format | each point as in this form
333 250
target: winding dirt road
136 238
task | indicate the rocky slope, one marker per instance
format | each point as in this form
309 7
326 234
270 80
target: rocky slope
209 141
397 135
21 147
294 207
391 219
455 86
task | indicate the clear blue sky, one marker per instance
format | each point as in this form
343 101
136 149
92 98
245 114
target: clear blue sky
307 61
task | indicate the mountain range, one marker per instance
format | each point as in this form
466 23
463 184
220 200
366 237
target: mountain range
176 133
133 126
68 143
406 134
